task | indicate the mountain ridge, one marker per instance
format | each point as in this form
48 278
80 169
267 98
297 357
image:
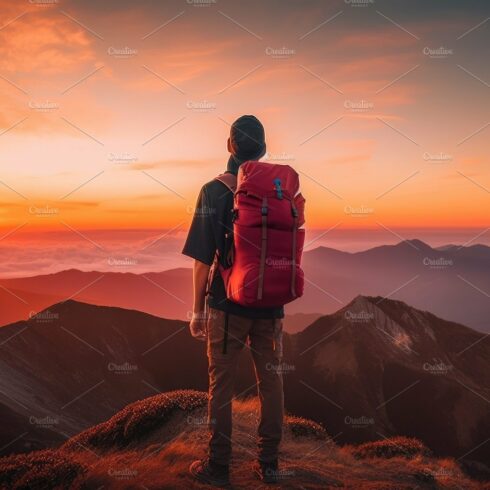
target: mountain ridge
375 358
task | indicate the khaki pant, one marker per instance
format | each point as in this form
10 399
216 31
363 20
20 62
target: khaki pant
264 337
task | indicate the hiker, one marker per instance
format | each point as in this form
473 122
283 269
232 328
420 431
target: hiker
246 239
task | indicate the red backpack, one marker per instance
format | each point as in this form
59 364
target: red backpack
264 263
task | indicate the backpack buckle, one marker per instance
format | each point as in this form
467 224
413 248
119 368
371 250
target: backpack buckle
264 210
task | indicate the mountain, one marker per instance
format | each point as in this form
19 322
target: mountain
379 367
18 305
166 294
376 368
151 443
76 364
299 321
453 282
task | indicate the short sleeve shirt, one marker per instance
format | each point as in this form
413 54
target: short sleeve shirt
211 223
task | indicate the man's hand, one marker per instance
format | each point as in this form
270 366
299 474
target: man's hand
198 325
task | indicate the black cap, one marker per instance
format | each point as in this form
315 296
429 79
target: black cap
247 138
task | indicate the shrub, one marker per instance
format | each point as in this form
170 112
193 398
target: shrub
405 447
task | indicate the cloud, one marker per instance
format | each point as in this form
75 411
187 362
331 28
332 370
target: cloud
42 52
42 42
32 252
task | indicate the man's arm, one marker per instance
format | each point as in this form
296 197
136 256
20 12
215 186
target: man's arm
201 246
200 280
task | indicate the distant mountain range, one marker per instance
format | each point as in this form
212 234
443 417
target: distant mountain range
374 369
166 294
452 282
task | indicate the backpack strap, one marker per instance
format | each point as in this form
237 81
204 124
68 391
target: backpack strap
263 248
229 179
294 212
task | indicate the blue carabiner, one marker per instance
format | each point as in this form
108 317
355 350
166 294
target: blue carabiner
277 185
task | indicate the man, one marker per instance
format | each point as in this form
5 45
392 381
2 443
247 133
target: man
228 326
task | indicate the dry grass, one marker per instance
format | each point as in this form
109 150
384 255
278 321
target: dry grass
150 444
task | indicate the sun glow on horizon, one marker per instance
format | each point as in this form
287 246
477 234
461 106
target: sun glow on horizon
114 117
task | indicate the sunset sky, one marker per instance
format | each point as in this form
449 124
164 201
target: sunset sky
114 114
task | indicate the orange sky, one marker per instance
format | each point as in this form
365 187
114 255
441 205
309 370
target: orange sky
115 113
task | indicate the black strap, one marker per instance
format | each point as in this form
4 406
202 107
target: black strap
225 337
263 248
294 211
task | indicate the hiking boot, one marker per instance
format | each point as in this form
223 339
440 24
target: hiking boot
268 472
206 471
